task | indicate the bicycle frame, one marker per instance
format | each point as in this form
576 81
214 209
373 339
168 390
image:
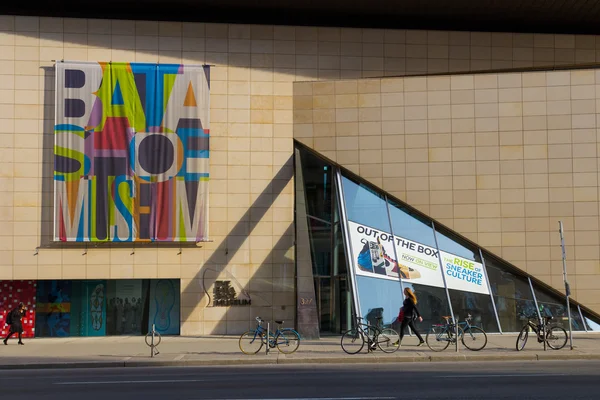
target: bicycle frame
272 336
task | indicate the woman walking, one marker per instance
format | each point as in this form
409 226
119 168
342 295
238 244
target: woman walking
14 320
410 314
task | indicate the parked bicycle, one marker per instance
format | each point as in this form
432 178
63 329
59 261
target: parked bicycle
287 340
440 336
556 336
373 336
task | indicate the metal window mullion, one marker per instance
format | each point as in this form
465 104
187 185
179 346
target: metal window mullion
387 205
442 272
490 290
348 242
537 307
582 319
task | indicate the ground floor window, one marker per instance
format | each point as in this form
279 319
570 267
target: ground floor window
65 308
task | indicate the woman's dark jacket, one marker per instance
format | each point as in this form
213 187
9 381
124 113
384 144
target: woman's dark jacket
410 309
16 325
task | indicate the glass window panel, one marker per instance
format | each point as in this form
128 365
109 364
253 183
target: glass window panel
317 185
320 244
432 303
379 297
365 206
451 243
53 309
408 225
552 305
125 306
593 323
478 305
512 295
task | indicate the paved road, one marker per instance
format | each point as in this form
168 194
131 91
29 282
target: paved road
507 380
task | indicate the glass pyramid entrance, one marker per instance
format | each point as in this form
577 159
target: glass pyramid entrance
363 247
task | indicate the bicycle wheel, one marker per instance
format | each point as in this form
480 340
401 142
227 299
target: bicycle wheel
287 341
157 339
251 342
522 339
388 340
438 338
474 338
353 341
556 338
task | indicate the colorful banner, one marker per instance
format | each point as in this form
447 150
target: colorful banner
131 152
417 263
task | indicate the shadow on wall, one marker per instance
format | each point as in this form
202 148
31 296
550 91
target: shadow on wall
269 284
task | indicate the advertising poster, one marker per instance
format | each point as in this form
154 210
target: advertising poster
164 306
417 263
94 302
53 308
124 307
131 154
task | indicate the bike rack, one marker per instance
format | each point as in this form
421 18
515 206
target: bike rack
456 332
268 334
153 347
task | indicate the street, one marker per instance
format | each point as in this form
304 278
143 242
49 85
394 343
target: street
463 380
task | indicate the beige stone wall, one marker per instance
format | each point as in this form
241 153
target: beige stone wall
499 158
253 71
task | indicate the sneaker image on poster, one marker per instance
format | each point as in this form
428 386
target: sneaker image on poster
165 300
364 258
377 257
408 272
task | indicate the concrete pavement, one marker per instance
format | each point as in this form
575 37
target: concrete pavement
223 350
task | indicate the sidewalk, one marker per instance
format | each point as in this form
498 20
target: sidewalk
223 350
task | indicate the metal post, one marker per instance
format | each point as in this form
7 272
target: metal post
567 287
268 338
152 343
456 329
582 320
490 290
439 257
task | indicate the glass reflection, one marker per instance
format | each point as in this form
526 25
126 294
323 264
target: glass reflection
320 244
408 225
317 186
365 206
453 244
432 304
554 306
512 296
593 323
479 306
379 298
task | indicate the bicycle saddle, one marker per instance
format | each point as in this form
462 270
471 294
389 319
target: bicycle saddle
280 322
446 317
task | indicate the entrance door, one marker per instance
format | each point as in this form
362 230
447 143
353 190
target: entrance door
334 304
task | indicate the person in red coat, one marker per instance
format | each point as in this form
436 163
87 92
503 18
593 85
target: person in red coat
14 320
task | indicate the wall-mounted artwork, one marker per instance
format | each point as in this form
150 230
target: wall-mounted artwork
131 154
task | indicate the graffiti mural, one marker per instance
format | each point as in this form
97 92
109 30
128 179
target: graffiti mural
131 152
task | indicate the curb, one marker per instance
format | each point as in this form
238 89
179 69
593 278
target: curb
297 361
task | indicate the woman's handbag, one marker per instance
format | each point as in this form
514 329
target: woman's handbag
401 314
